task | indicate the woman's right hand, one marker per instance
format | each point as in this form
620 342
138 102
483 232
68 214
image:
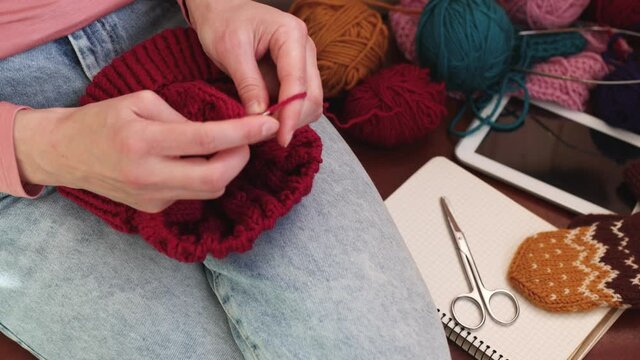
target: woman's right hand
132 149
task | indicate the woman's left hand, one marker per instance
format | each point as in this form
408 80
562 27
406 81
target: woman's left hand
237 34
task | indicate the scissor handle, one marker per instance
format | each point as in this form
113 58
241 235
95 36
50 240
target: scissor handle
474 298
488 294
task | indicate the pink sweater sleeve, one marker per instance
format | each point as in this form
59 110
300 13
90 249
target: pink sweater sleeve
41 20
9 175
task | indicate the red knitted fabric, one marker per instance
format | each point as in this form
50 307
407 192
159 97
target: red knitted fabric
174 65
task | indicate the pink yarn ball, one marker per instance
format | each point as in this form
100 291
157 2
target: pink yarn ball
570 94
404 27
393 107
544 14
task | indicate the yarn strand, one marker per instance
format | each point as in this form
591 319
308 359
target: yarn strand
276 107
490 120
579 29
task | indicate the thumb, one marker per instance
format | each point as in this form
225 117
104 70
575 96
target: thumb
243 70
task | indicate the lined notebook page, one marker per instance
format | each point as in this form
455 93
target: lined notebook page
494 226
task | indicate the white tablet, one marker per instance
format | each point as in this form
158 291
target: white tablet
567 157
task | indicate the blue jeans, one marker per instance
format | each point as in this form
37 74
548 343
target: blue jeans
333 280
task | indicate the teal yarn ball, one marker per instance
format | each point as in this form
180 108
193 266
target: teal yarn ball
468 44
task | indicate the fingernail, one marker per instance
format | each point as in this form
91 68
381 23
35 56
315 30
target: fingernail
270 128
254 108
288 139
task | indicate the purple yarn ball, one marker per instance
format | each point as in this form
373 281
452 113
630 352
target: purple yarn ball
619 105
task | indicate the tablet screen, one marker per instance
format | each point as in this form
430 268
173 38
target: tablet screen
566 154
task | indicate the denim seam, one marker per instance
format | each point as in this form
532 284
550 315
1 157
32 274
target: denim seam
11 335
81 52
111 28
245 337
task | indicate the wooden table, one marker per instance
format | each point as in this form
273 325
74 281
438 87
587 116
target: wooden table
390 168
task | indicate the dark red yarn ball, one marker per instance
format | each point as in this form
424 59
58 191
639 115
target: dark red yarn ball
617 13
174 65
396 106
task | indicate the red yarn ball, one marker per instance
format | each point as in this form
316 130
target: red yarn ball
396 106
617 13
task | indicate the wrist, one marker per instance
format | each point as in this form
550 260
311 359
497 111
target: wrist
32 129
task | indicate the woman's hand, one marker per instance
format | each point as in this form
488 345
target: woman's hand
236 34
130 150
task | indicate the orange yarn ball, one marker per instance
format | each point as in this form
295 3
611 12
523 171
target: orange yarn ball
351 40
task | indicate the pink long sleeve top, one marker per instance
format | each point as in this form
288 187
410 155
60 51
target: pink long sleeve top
37 22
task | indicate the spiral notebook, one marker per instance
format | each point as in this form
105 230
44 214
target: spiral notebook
495 226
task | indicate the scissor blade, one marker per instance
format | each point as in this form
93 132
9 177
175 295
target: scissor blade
449 215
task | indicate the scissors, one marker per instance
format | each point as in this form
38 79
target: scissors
479 296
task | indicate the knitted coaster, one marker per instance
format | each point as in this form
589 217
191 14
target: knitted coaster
174 65
581 267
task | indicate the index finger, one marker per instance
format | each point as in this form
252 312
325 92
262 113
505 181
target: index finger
288 50
195 138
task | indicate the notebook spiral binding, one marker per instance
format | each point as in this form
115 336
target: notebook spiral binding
470 343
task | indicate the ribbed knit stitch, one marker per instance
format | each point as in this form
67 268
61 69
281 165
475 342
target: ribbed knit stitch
570 94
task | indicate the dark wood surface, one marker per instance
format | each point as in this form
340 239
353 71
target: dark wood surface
390 168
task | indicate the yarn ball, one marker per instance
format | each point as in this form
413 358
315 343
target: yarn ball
617 13
618 104
466 43
570 94
395 106
351 40
404 27
174 65
544 14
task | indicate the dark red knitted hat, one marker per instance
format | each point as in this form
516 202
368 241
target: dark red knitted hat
174 65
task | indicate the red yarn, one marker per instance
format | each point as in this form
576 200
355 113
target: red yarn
617 13
174 65
276 107
396 106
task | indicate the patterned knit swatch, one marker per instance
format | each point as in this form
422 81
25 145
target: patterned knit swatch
570 94
174 65
581 267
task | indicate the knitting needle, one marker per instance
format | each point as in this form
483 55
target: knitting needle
577 29
585 81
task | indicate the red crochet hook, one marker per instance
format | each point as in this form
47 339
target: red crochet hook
274 108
